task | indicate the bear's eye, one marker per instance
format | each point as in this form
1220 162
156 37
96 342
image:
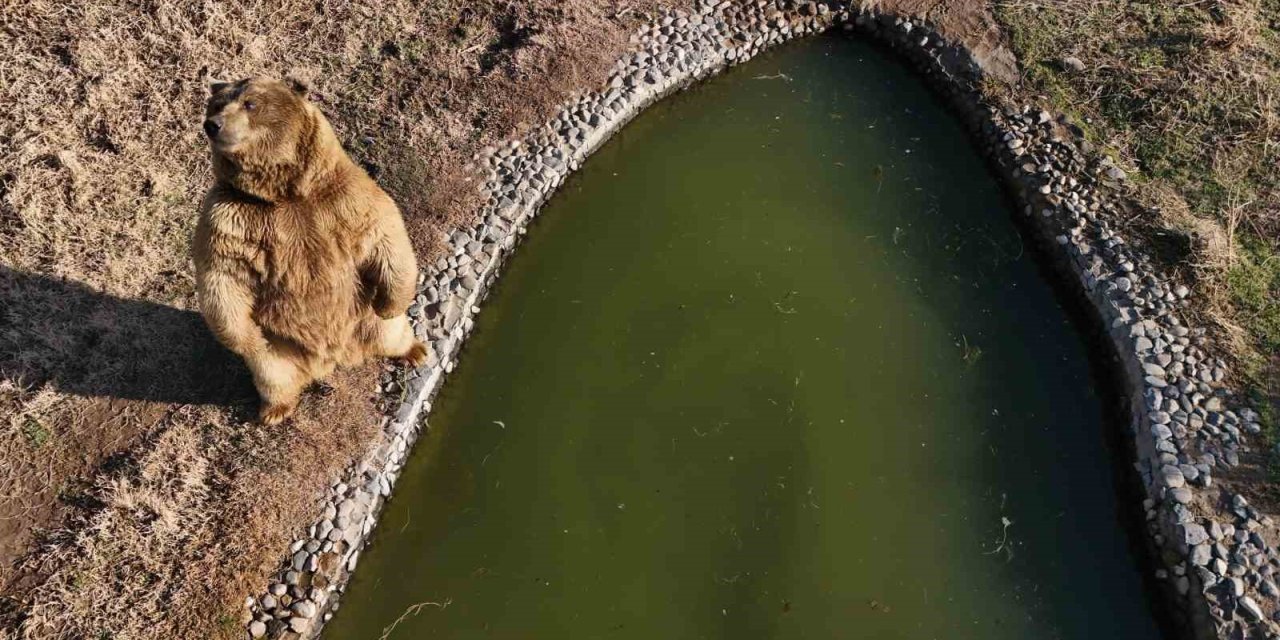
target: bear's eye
248 105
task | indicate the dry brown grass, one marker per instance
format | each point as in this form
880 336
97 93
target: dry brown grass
123 431
122 420
191 521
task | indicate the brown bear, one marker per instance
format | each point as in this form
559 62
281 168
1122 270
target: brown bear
302 261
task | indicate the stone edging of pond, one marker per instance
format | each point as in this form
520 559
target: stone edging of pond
1214 566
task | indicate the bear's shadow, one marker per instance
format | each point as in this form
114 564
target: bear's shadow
92 344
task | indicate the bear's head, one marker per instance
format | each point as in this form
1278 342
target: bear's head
255 115
267 139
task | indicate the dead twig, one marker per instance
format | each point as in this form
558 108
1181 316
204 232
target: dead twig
412 610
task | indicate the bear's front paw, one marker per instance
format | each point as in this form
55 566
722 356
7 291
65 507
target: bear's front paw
417 355
273 414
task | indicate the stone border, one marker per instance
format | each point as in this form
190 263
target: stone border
1211 558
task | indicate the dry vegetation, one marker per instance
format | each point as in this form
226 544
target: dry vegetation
1184 95
123 427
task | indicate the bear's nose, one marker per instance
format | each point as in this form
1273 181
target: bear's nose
211 128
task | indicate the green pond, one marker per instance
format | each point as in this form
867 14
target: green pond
775 363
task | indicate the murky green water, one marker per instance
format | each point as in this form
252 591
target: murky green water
775 364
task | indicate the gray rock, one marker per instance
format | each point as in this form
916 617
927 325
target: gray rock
1073 64
257 629
1240 505
304 609
1219 566
344 512
1207 579
1172 476
1251 607
1201 554
1194 534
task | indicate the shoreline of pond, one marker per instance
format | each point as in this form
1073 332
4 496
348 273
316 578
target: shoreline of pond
1182 426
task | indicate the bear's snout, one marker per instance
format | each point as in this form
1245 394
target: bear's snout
211 128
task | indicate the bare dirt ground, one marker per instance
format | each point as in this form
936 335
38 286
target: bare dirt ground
137 499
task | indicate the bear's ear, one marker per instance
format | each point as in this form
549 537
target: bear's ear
216 87
299 87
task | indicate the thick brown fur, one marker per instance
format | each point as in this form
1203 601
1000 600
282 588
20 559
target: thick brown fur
302 261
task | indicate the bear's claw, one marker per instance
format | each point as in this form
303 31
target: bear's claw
273 414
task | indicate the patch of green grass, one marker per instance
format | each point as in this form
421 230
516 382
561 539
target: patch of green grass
1254 285
418 49
34 432
1270 429
229 625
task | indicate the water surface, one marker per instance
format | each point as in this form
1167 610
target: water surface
774 364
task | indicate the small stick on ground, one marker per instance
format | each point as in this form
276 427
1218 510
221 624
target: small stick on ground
1004 539
412 610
